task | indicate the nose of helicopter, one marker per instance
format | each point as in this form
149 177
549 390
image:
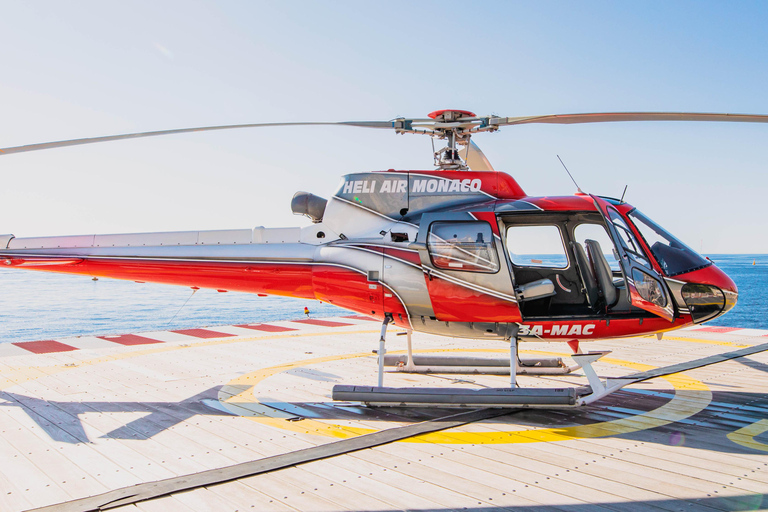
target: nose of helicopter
708 292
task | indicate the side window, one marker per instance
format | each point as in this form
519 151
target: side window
462 246
536 246
598 233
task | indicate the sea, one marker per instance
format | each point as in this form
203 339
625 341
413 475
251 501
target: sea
40 305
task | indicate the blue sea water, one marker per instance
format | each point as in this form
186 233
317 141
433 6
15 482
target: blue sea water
750 273
39 305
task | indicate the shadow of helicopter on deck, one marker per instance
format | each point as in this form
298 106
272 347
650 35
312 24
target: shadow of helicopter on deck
708 429
61 420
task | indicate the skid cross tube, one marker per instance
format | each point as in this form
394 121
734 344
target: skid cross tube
427 363
430 363
469 360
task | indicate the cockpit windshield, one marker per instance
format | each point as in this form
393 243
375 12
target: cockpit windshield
673 255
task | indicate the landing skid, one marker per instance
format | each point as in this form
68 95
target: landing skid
448 397
512 396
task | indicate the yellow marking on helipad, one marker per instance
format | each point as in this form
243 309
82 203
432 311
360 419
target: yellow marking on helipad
237 395
746 436
708 342
691 397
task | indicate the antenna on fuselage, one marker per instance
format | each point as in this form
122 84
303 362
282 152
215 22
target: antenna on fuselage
623 194
578 188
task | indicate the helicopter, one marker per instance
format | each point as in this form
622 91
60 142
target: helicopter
460 250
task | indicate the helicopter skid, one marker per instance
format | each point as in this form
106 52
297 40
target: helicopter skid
512 396
447 397
526 397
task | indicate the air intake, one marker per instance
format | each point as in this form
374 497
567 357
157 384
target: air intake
304 203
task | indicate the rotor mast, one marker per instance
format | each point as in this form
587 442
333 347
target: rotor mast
455 127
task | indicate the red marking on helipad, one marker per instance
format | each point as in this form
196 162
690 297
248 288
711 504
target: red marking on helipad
361 317
129 339
267 328
203 333
45 346
717 329
323 323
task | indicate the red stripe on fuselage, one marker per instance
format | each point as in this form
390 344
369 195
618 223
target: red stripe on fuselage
563 203
270 278
394 252
455 303
349 289
336 285
409 256
593 329
496 184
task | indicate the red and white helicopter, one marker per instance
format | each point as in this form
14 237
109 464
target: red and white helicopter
451 251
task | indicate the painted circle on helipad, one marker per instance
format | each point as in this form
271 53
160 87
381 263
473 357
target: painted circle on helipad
691 397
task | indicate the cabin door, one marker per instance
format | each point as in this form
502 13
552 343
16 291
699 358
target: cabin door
465 271
646 287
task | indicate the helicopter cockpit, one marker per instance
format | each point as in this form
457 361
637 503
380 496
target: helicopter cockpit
600 266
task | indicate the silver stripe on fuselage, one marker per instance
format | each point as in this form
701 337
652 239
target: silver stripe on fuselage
447 277
471 286
419 267
375 212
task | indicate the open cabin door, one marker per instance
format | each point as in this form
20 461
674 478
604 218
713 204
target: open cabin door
646 287
465 271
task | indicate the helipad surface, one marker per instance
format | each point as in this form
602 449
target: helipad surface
83 416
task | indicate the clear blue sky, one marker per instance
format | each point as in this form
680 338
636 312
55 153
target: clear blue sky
89 68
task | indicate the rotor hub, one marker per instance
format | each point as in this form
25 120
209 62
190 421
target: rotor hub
450 115
453 126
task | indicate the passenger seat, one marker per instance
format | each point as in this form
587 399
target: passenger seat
587 277
603 272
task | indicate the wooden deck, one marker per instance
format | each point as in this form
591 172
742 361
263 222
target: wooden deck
84 416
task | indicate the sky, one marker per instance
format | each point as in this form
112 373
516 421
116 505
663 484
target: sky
90 68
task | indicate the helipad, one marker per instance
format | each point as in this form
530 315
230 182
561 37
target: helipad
92 417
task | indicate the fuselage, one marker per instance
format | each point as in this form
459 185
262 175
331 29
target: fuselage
465 254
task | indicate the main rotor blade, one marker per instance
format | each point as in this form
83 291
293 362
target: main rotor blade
606 117
108 138
612 117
